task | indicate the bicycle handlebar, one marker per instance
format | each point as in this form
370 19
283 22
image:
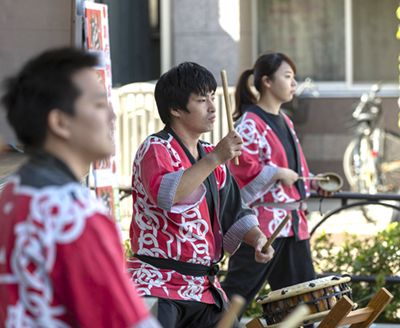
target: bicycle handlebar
367 99
307 84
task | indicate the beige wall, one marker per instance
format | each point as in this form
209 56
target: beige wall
246 37
26 28
214 33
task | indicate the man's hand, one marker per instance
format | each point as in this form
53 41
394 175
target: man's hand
192 178
263 257
256 238
228 148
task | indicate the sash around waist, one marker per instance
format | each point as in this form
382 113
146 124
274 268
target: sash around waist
185 268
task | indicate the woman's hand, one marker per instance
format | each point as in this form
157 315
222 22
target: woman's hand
287 176
314 184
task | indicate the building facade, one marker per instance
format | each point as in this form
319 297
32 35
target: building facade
344 46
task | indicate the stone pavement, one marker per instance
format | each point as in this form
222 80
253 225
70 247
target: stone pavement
9 163
351 220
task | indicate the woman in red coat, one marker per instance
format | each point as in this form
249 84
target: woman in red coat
268 171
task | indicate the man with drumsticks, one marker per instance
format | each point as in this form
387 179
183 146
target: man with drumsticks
61 260
187 208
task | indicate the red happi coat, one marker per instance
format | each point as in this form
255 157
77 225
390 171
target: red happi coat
181 231
61 260
262 154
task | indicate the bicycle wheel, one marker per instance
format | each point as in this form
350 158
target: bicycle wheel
390 164
359 166
355 164
349 166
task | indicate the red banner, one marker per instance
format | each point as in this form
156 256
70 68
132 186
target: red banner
97 41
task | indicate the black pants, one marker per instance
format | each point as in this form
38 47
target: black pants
291 265
189 314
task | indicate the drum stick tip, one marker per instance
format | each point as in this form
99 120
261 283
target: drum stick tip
295 318
238 299
237 303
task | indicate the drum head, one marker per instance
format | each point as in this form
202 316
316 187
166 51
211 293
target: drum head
302 288
333 183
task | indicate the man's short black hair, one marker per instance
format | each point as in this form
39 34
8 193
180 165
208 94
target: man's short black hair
173 89
43 84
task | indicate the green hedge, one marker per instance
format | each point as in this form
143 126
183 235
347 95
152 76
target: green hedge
378 256
128 250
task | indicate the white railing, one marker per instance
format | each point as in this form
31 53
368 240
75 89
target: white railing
137 118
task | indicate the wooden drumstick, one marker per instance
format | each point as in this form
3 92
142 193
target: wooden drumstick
228 106
296 317
237 303
314 178
276 233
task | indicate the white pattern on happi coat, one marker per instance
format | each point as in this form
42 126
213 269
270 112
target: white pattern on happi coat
194 289
251 136
57 215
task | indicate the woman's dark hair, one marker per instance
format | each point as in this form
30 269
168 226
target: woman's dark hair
266 65
43 84
174 87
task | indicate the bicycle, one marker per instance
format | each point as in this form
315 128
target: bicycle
371 162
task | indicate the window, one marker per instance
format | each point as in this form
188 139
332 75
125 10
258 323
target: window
375 47
314 34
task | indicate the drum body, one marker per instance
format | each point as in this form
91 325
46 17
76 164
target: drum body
319 295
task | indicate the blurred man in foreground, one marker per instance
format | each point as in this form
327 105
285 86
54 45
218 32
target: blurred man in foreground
61 261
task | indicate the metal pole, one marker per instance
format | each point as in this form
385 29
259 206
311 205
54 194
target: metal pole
166 35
